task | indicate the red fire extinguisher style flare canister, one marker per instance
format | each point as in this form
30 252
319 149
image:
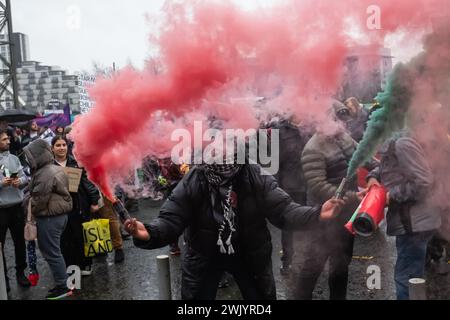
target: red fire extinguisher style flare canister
371 211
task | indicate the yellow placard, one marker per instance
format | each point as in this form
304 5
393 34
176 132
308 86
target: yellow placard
97 237
74 175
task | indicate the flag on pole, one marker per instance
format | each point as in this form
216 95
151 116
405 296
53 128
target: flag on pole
55 120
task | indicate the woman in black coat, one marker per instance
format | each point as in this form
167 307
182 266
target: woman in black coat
224 210
85 202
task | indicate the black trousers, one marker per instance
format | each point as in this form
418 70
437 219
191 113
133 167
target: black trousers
287 237
333 243
206 288
287 244
13 218
72 242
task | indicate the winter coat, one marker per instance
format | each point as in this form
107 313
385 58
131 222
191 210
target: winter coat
87 193
325 161
49 186
258 198
405 173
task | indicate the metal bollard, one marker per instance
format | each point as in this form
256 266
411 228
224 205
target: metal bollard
163 265
3 292
417 289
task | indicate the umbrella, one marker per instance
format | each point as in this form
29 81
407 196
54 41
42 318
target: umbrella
21 124
13 115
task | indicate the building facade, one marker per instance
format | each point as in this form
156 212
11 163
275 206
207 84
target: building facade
21 48
41 85
22 53
367 71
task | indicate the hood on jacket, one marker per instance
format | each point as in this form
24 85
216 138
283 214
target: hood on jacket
384 148
341 111
38 154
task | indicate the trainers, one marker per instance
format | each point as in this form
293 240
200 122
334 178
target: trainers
22 280
223 283
87 271
285 270
119 256
58 293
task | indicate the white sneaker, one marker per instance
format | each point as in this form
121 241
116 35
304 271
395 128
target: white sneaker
87 271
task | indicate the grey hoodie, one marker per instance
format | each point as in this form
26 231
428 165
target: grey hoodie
11 196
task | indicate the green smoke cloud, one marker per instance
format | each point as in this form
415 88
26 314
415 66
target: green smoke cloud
395 101
427 77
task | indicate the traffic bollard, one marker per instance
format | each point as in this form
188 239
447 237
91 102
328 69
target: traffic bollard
163 265
417 289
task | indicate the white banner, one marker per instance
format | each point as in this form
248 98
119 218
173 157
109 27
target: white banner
84 82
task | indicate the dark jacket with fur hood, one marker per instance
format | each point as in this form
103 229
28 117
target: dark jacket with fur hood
49 186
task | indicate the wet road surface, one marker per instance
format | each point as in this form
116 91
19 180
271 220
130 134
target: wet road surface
136 277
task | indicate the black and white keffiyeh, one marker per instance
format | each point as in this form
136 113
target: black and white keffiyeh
220 177
220 174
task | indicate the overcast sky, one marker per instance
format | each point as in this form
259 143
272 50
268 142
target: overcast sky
75 33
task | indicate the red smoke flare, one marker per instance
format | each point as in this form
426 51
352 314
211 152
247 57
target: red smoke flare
212 51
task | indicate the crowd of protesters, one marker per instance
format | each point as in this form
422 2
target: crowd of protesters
222 209
219 212
32 162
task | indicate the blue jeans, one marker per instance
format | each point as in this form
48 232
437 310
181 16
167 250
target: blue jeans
49 231
411 254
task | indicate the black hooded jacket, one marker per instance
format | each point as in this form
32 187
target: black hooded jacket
87 194
49 186
258 198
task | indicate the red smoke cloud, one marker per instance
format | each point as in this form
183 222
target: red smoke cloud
212 52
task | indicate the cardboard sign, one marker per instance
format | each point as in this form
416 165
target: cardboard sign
74 175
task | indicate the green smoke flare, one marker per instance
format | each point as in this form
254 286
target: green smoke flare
395 101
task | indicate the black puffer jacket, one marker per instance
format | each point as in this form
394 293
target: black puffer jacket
49 186
258 198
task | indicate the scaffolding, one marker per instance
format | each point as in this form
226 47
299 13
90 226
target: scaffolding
8 73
